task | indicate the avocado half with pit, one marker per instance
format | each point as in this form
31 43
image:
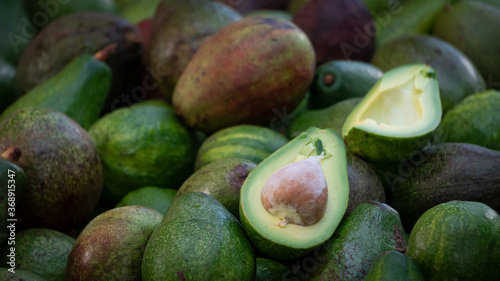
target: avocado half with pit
397 117
294 199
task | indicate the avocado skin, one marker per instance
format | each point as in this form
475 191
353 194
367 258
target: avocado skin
8 92
364 184
143 145
63 8
393 265
444 172
14 40
367 232
112 245
82 33
79 91
353 79
334 28
20 183
20 275
178 29
266 73
478 22
382 149
457 240
63 166
198 239
332 117
477 119
269 270
222 180
43 252
254 143
156 198
458 77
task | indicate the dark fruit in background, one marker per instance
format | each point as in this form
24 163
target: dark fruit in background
245 6
472 27
178 28
63 166
338 29
82 33
269 70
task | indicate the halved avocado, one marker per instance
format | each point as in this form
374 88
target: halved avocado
290 233
397 117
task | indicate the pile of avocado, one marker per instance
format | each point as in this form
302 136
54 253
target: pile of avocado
250 140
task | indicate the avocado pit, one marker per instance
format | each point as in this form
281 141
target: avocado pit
297 193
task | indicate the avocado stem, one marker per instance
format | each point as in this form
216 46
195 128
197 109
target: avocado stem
104 53
12 154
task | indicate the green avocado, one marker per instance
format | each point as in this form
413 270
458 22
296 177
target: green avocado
156 198
14 184
143 145
270 13
41 251
338 80
198 239
478 119
16 29
370 230
458 77
313 168
397 117
470 27
457 240
415 17
112 245
332 117
393 265
139 10
19 275
222 180
250 142
269 270
445 172
8 92
51 10
62 163
79 91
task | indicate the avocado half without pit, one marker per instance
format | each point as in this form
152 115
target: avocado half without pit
397 117
294 199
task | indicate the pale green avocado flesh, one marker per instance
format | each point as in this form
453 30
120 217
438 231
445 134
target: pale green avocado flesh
401 109
288 240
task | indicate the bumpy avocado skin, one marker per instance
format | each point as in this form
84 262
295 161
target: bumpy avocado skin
62 163
156 198
222 180
393 265
370 230
43 252
144 145
20 275
254 143
457 240
112 245
444 172
477 119
198 239
269 270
